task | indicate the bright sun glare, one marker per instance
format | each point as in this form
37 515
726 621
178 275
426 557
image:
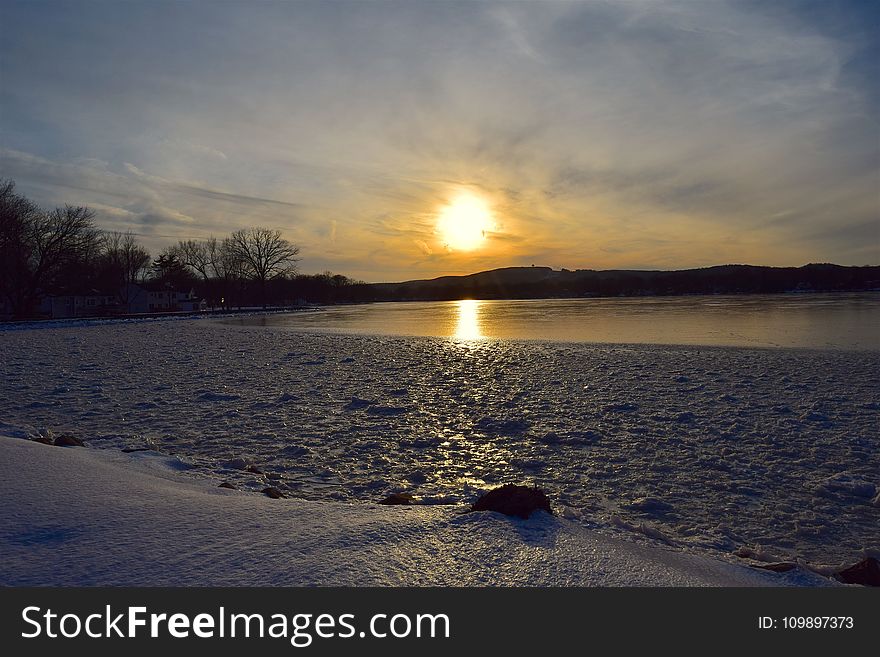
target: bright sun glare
463 223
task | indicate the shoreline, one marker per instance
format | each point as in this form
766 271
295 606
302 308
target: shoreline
84 517
9 324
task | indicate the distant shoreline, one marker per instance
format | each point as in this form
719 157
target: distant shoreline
317 307
512 283
545 282
161 315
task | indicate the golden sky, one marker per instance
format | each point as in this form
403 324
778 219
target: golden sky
401 140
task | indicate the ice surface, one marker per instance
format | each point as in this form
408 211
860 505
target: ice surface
732 446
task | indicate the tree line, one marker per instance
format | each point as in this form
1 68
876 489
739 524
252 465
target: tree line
47 253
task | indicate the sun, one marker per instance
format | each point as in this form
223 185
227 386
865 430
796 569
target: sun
464 222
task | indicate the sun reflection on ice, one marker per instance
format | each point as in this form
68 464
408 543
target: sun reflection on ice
468 326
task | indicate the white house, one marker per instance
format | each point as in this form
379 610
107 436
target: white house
157 298
84 303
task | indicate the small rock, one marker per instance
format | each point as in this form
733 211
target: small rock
237 464
295 451
418 477
397 498
758 553
866 572
357 403
271 491
66 440
45 440
549 438
776 566
513 500
254 470
226 484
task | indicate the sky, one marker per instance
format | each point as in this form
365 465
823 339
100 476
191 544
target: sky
643 134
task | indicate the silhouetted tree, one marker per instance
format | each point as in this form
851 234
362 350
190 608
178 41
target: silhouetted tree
37 248
168 270
123 264
196 255
17 215
213 263
264 254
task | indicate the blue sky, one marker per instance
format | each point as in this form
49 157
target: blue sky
602 134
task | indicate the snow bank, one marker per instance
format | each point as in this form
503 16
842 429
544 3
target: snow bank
73 516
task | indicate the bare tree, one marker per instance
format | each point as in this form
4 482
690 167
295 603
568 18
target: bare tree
39 248
17 215
264 253
229 269
125 263
197 256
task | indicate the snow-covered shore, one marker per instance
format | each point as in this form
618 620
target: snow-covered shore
74 516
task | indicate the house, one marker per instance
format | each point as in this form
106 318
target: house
150 297
154 297
79 303
188 301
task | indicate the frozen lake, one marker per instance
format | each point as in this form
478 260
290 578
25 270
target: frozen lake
834 321
718 435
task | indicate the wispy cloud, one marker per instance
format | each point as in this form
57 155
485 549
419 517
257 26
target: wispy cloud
603 133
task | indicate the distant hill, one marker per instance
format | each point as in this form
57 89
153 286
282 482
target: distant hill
544 282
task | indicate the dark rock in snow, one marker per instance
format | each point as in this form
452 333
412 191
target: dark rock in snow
549 438
502 426
236 464
513 500
417 477
271 491
866 572
254 470
397 498
45 440
226 484
295 450
776 566
66 440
